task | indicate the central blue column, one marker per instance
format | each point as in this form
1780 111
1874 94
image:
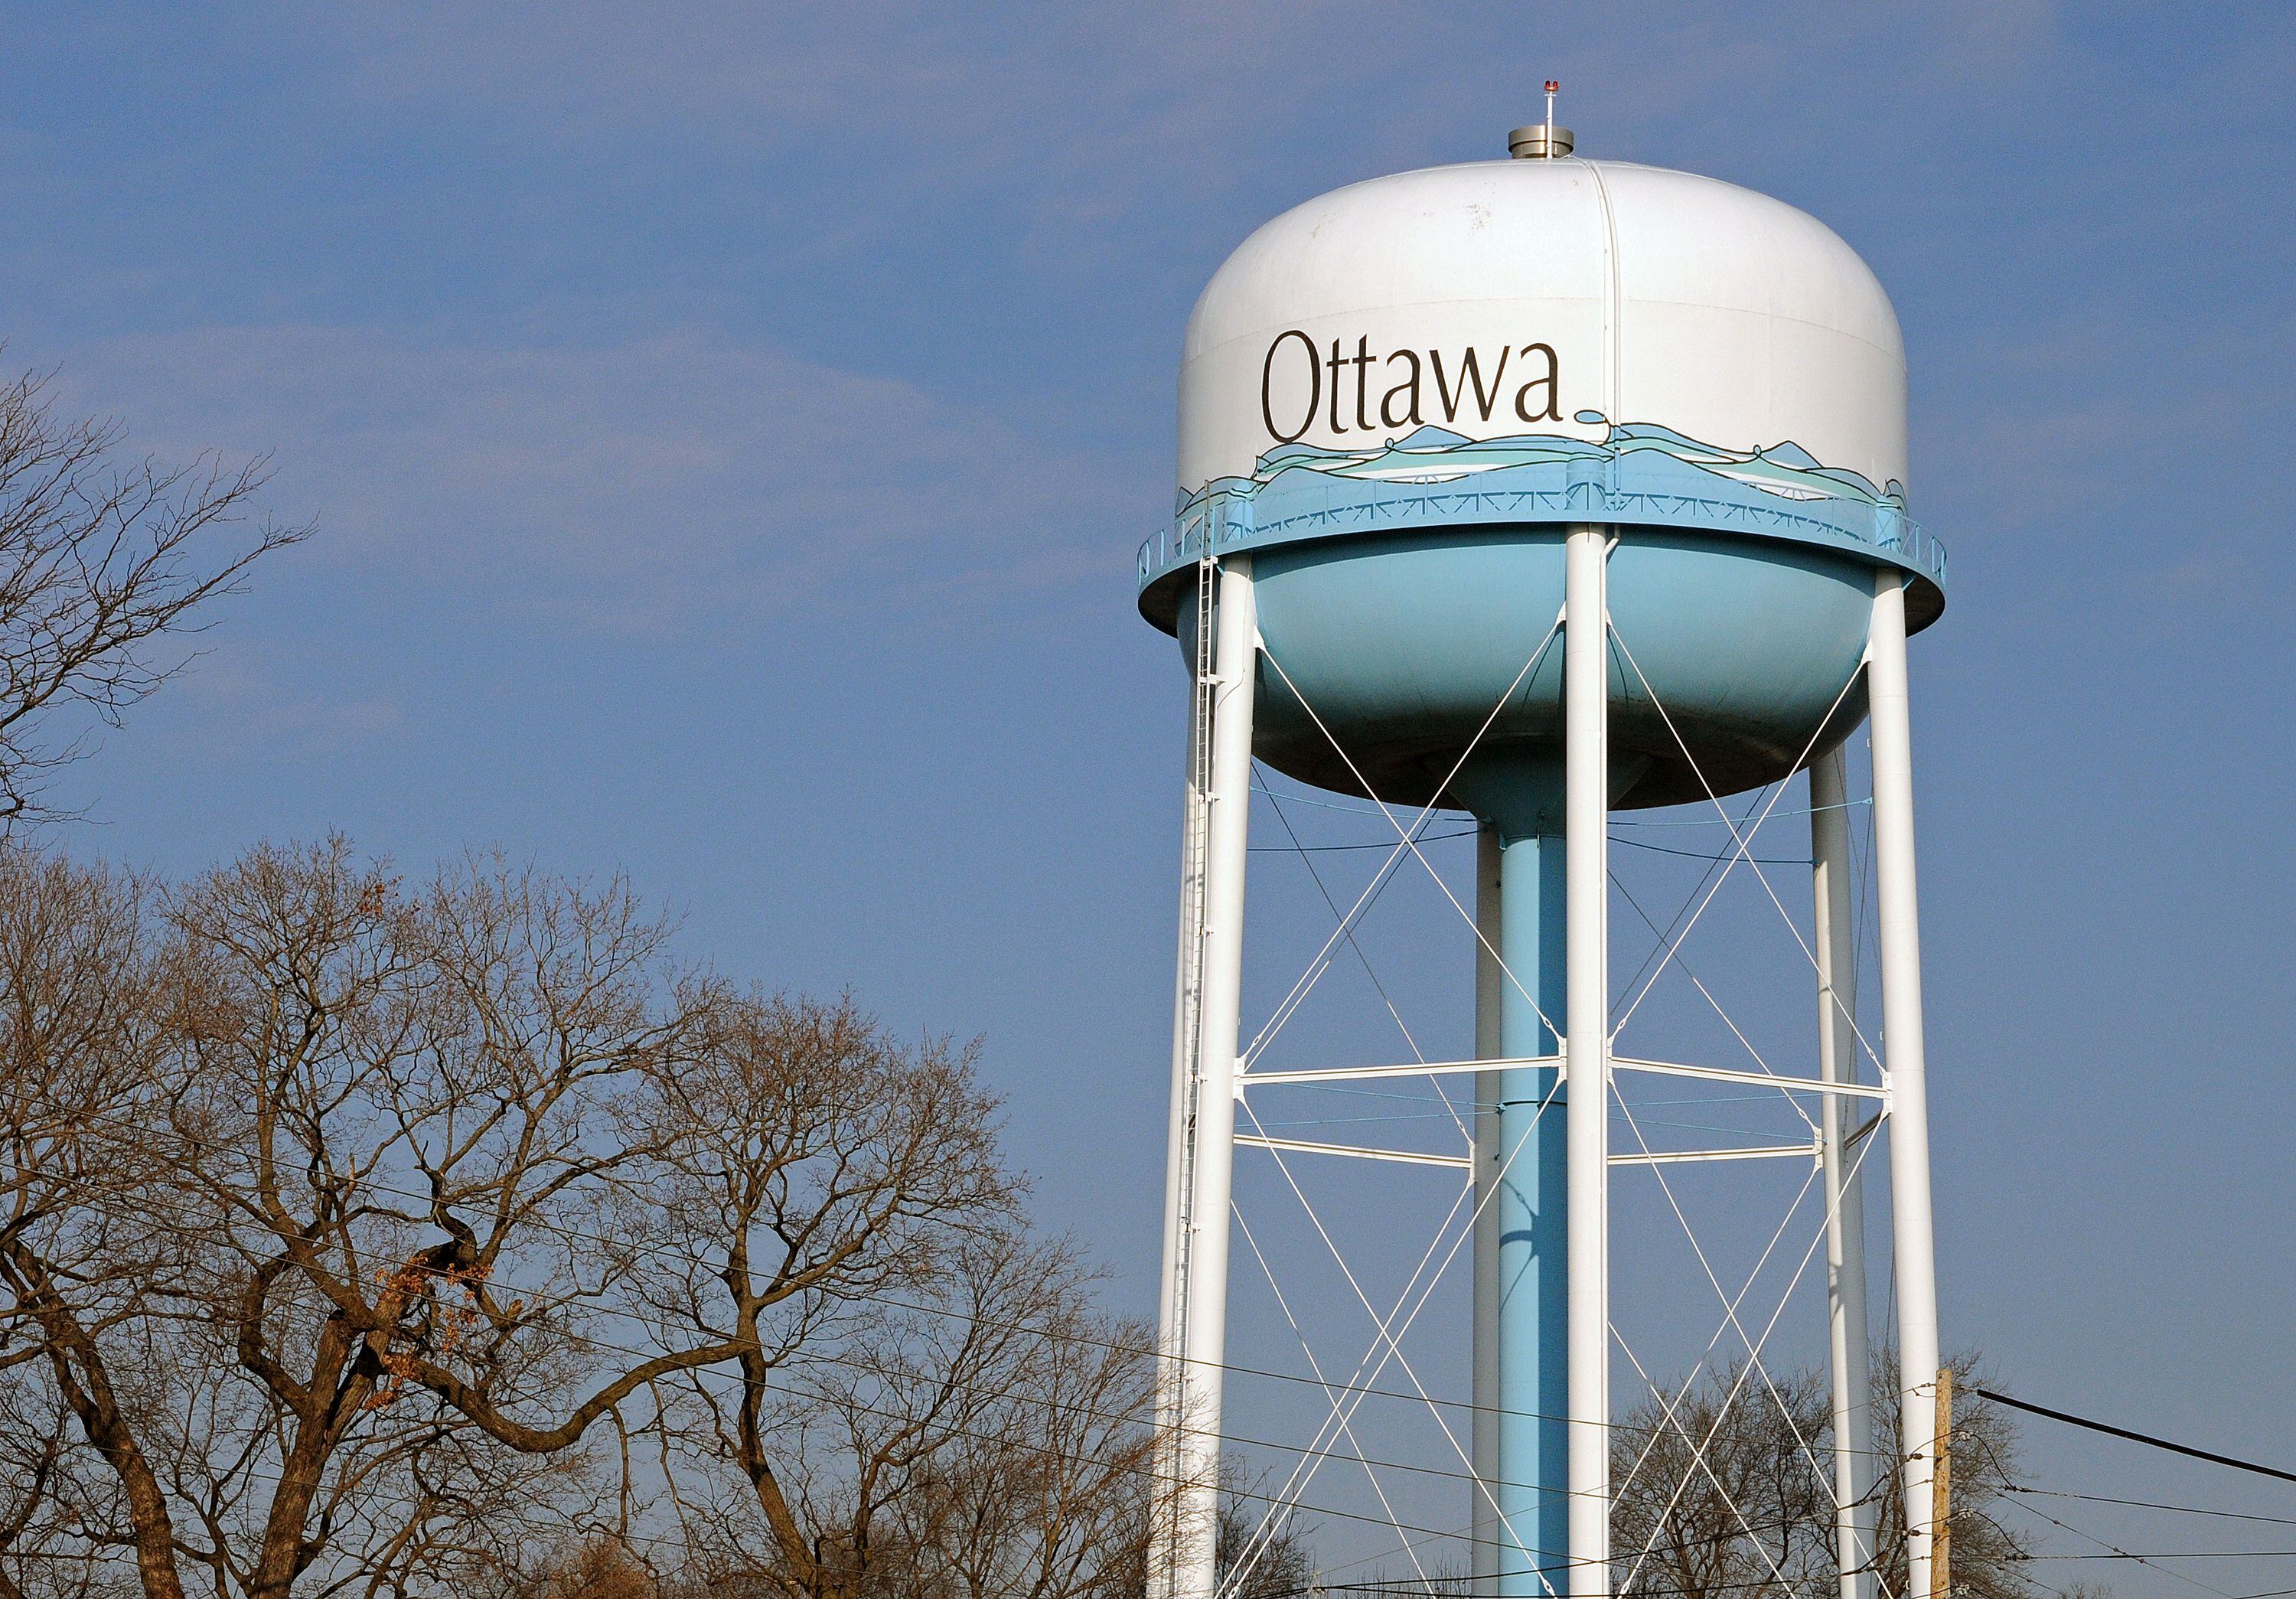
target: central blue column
1519 793
1533 1333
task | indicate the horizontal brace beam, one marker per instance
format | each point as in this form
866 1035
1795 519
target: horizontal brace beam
1759 1080
1760 1151
1713 1074
1344 1074
1302 1146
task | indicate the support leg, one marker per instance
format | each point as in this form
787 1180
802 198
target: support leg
1203 677
1483 1520
1195 1299
1587 1049
1845 1201
1901 1026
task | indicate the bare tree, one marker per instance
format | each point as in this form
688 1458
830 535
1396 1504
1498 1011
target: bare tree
101 557
1725 1489
216 1132
1717 1493
1989 1555
360 1234
596 1568
834 1195
78 1045
993 1444
1273 1561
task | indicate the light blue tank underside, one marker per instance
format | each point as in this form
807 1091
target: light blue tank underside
1742 587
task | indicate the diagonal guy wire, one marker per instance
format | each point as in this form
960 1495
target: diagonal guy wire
1383 1337
1754 1348
1316 1366
1409 844
1410 1043
1744 851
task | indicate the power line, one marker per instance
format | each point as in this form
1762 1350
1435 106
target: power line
2034 1509
572 1235
2177 1554
2124 1554
2189 1509
1803 810
1432 837
1701 855
2139 1437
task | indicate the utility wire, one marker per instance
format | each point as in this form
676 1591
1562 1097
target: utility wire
2188 1510
2139 1437
2175 1554
2002 1466
1432 837
1804 810
1701 855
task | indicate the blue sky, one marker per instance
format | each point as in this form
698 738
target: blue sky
730 428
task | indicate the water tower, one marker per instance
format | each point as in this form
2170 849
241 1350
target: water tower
1542 489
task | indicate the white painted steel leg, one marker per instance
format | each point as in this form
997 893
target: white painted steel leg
1202 674
1915 1247
1488 996
1587 1049
1200 1292
1845 1201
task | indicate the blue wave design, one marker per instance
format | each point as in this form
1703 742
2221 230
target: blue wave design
1639 472
1432 456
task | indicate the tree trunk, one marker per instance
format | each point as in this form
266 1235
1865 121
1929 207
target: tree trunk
319 1425
87 1386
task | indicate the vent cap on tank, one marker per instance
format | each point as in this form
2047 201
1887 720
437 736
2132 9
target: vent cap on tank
1539 141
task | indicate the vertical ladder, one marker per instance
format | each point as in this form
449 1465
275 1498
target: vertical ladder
1204 689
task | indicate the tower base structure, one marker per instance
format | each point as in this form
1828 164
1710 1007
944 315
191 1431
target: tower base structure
1541 1423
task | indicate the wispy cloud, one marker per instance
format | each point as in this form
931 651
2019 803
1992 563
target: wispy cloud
634 484
938 95
245 701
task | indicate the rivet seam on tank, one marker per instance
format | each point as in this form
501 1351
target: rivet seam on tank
1612 341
